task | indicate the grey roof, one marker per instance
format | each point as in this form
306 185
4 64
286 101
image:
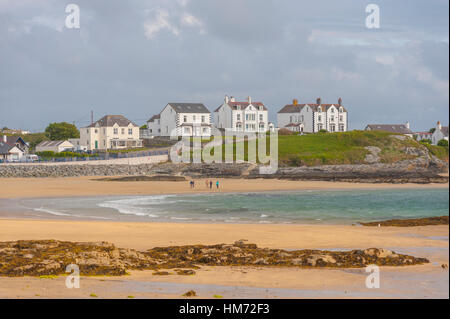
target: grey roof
50 143
291 108
110 120
4 148
189 107
154 117
393 128
243 105
444 130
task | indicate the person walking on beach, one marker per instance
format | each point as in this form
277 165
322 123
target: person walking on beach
206 183
217 184
210 184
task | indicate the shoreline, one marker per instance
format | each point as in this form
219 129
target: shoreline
16 188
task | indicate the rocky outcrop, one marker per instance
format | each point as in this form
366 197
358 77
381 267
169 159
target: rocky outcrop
50 257
440 220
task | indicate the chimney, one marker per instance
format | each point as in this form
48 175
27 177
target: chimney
407 124
249 99
295 102
319 101
340 101
232 99
227 99
4 139
439 126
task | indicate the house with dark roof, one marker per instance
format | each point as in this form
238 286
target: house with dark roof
440 133
313 117
110 132
10 152
246 116
154 125
184 119
392 128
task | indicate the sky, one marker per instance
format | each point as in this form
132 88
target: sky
133 57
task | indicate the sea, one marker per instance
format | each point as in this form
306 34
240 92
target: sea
299 207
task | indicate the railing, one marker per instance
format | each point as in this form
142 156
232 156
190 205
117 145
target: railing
103 157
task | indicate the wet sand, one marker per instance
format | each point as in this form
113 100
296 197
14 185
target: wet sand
89 186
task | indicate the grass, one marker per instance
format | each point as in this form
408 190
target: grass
341 148
218 296
48 277
93 295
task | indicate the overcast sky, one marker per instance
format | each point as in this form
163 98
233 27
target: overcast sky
133 57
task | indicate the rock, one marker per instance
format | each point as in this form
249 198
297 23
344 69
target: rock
190 293
444 266
373 156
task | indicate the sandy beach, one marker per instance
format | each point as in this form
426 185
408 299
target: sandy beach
230 282
89 186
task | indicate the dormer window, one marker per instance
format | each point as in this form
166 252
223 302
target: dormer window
332 110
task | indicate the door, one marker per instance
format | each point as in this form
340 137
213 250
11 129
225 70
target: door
96 144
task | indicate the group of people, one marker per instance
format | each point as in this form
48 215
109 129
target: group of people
208 183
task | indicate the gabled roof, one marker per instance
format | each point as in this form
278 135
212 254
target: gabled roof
243 105
12 140
189 107
154 117
4 148
50 143
110 120
444 130
291 108
393 128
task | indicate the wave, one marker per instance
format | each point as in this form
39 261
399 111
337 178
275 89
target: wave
52 212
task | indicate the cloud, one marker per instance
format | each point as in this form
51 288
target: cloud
158 23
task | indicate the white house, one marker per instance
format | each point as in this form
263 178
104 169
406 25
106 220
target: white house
154 125
110 132
313 117
440 133
245 116
55 146
12 148
392 128
419 136
185 119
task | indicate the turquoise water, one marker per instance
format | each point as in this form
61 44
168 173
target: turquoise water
312 207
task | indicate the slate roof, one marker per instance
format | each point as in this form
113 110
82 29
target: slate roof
189 108
4 148
291 108
243 105
393 128
154 117
50 143
110 120
444 130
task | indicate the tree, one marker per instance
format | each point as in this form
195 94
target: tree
432 130
144 127
425 141
62 131
443 143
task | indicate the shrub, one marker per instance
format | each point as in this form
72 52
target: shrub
425 141
443 143
322 131
285 131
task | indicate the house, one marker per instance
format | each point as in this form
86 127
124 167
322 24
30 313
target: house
419 136
313 117
55 146
17 141
10 153
440 133
77 146
184 119
245 116
154 125
13 148
392 128
110 132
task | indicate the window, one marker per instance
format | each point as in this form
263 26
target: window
292 119
341 127
87 131
104 131
205 130
151 131
333 128
185 119
261 117
332 118
123 131
186 130
341 118
238 116
319 126
302 118
319 118
116 131
203 119
246 117
194 117
332 110
95 131
130 131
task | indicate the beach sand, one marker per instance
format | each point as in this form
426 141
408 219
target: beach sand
89 186
430 280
